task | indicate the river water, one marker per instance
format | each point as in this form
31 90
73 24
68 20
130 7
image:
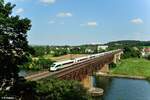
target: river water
123 89
119 88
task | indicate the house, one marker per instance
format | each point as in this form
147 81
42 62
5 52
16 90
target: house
104 47
88 50
145 51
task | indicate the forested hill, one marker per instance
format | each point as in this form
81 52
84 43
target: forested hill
130 43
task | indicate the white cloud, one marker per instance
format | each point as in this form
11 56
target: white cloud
19 10
137 21
90 24
14 0
48 1
64 14
56 22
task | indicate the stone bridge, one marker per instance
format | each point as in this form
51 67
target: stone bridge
83 70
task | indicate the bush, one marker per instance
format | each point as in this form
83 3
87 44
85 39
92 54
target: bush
130 52
112 65
37 64
54 89
59 53
148 57
44 63
49 89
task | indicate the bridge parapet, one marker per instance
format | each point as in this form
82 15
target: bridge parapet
117 55
80 70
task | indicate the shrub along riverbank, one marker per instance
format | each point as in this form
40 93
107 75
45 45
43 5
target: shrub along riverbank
132 67
54 89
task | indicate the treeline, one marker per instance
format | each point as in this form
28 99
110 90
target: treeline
89 48
131 52
37 60
36 64
132 48
63 50
129 43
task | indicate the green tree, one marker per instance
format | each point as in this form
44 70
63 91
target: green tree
1 1
13 45
39 50
54 89
130 52
43 63
148 57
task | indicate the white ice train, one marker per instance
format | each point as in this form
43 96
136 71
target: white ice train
59 65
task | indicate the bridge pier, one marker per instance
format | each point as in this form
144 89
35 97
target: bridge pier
83 71
117 57
104 69
87 82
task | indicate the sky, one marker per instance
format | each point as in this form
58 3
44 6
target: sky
75 22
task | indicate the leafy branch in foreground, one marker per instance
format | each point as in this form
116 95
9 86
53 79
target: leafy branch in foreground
13 45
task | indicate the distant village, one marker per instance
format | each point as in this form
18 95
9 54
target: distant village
62 50
145 51
141 46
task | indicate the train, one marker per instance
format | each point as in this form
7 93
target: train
63 64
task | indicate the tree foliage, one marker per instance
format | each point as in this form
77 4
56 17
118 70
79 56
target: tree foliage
112 65
148 57
129 43
130 48
54 89
14 51
13 44
1 2
37 64
130 52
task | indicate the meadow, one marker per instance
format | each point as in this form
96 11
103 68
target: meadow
133 67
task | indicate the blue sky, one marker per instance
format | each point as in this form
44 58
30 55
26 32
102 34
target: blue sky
74 22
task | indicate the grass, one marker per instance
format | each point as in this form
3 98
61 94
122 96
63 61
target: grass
133 67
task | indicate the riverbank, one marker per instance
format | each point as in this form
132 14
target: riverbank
123 88
120 76
132 67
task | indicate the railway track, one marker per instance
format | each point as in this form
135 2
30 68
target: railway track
68 69
62 72
58 73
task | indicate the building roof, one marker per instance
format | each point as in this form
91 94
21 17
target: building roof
146 49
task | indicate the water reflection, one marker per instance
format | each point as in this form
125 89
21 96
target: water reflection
103 83
123 89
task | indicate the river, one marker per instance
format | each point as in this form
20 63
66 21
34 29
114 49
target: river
123 89
119 88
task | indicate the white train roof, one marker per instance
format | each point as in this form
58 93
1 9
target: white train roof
81 58
99 54
62 62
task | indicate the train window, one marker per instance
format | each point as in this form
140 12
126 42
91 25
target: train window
53 65
68 63
83 59
57 65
